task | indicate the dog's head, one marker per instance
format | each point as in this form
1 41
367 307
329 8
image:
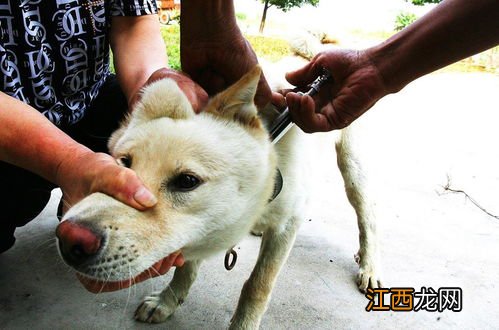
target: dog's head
212 174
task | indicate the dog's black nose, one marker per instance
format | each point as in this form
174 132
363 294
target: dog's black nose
77 243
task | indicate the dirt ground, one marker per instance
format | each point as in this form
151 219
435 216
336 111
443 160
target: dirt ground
441 127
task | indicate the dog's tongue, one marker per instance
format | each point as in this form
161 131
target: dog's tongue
159 268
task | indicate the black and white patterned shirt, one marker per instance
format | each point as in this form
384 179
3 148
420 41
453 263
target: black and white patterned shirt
54 54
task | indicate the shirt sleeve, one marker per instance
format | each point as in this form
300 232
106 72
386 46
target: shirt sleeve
133 7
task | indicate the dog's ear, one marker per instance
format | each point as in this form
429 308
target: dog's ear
162 98
236 102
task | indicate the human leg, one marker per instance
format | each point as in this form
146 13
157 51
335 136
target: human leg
22 197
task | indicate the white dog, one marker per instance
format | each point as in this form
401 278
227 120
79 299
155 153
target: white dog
214 174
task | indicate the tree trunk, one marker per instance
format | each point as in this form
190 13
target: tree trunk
264 16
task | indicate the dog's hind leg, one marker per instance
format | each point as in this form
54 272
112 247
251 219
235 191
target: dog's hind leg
357 190
256 292
160 305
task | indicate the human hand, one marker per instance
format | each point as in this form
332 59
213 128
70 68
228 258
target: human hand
161 267
216 60
195 93
357 85
88 172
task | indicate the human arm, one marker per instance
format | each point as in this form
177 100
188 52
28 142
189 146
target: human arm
138 50
212 49
50 153
453 30
140 58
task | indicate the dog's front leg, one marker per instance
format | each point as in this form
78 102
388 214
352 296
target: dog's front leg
160 305
356 187
256 292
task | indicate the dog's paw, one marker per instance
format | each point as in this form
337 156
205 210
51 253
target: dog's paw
154 310
368 279
368 276
237 323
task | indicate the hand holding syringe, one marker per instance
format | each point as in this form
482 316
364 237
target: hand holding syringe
283 122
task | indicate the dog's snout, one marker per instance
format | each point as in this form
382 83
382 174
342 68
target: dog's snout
77 243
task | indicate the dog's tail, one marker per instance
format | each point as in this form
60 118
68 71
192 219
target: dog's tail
307 44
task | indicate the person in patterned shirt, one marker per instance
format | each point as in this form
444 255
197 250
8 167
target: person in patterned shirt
59 102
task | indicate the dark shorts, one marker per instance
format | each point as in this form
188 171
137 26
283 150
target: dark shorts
24 195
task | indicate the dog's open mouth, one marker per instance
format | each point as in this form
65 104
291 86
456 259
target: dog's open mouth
161 267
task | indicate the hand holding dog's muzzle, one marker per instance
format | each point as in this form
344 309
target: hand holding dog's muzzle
92 172
161 267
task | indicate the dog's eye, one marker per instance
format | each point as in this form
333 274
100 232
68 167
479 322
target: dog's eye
185 182
125 161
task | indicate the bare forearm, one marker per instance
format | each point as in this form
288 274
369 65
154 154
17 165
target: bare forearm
138 50
452 31
202 18
213 50
30 141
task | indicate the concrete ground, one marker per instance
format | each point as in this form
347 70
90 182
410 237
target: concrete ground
441 126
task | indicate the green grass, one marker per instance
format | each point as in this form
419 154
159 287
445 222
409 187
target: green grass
271 49
171 36
274 49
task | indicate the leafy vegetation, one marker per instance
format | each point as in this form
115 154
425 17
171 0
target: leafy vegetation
403 20
286 5
171 36
423 2
283 5
241 16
